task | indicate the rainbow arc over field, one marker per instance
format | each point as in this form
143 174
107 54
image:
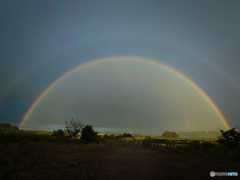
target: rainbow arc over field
157 63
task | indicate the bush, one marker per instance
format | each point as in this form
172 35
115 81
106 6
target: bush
147 142
194 146
89 135
59 132
206 146
229 139
127 135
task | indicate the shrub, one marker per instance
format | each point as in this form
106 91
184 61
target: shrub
89 135
206 146
230 138
146 143
194 146
58 132
127 135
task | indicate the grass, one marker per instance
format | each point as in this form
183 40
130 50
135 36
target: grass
120 142
202 148
38 160
139 138
27 156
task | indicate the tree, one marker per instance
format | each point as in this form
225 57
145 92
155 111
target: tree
58 132
73 127
170 134
230 138
89 135
125 135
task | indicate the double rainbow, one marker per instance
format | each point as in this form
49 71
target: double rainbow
85 65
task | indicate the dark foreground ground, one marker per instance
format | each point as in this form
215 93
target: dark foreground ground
96 161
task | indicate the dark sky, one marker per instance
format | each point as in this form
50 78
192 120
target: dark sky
42 40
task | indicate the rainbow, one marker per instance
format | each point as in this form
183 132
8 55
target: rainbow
85 65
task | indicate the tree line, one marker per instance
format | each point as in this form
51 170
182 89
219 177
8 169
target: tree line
73 128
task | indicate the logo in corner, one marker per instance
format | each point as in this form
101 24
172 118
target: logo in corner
212 174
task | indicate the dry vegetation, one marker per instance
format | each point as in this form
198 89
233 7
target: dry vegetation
29 156
48 160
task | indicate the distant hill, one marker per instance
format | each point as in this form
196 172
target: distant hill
38 132
200 135
7 128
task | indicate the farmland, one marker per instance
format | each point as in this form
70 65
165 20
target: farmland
31 156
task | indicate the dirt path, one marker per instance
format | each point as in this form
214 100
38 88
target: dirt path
138 163
102 162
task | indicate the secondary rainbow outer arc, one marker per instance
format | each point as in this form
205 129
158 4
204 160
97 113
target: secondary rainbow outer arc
87 64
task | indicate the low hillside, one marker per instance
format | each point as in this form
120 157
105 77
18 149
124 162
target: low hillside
7 128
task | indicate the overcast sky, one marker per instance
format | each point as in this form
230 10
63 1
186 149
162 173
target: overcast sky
42 40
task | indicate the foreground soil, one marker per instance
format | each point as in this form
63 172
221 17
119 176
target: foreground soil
97 161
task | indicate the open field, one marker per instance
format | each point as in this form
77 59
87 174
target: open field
42 160
30 155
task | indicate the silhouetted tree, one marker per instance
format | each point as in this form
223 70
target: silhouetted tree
73 127
230 138
170 134
58 132
127 135
88 135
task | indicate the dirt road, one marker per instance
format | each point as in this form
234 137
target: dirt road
139 163
102 162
